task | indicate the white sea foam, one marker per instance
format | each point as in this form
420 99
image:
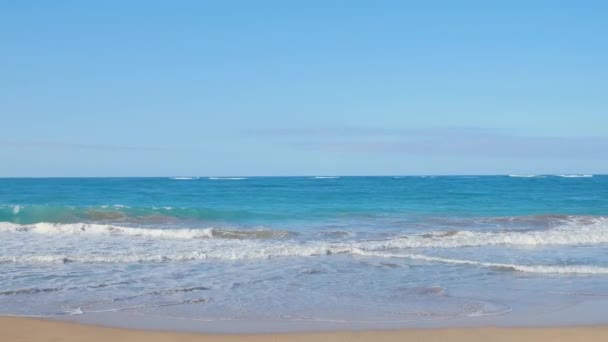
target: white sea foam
150 233
577 231
227 178
208 244
294 251
574 230
255 251
555 269
243 252
525 176
104 229
16 209
575 176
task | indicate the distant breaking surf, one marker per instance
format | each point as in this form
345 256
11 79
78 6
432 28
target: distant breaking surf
543 176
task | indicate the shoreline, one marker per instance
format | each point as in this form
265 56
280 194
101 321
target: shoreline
21 329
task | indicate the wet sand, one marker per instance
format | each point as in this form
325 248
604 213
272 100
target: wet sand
34 330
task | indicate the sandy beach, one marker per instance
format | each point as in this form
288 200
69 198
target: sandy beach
34 330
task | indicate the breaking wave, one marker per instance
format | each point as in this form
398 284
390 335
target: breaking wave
255 244
575 176
301 251
576 230
112 230
526 176
547 269
568 230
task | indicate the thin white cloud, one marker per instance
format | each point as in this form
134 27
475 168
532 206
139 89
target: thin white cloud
441 141
56 145
360 131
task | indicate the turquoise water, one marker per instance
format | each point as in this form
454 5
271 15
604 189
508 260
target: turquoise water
304 249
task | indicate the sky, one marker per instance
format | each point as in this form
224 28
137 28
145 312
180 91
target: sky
276 88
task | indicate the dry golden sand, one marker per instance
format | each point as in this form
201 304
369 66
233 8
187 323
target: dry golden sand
34 330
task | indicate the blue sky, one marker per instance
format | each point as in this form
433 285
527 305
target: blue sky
155 88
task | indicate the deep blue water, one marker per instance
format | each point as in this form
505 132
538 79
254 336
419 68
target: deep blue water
259 199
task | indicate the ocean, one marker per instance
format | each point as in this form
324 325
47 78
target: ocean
339 252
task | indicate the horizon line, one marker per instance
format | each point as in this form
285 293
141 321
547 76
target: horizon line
318 175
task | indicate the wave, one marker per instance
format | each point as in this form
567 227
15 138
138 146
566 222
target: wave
527 222
575 176
303 251
119 206
399 177
526 176
564 230
86 308
251 234
325 177
544 176
29 291
554 269
227 178
576 231
243 254
255 244
112 230
35 290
